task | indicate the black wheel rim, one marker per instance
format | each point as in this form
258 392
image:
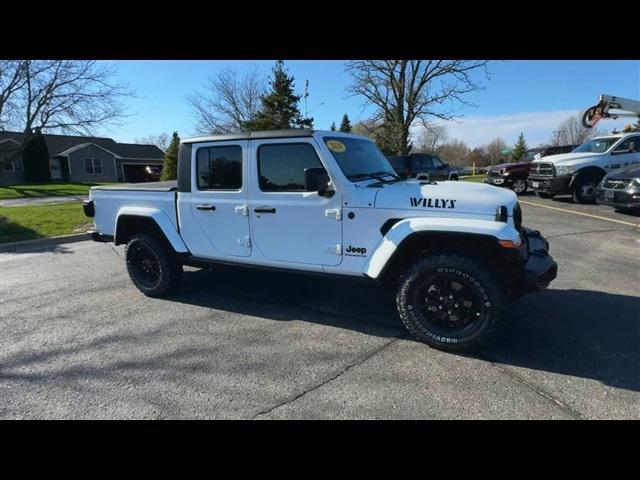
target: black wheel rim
145 265
449 305
588 191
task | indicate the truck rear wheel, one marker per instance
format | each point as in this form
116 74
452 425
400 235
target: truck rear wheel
450 302
152 266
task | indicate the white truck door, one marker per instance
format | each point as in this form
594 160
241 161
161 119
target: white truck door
219 198
625 154
289 224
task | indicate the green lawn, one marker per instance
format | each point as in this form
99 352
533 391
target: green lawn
28 223
473 178
45 190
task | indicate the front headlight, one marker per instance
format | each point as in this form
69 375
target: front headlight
636 181
564 170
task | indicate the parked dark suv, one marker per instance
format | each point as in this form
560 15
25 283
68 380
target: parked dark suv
415 163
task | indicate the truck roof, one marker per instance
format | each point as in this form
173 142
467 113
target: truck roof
251 135
292 133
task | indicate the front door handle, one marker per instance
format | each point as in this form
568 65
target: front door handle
206 207
264 210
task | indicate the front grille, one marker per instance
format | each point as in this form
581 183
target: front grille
617 184
494 173
517 217
543 169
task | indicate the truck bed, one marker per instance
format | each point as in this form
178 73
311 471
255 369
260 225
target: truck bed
131 199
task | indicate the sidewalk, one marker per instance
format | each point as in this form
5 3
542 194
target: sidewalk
27 201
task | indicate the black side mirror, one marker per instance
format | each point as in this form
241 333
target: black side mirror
317 180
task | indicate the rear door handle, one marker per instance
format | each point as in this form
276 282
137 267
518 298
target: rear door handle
206 207
264 210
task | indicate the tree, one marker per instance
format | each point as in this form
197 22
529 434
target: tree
494 151
572 132
519 149
170 167
161 141
35 158
12 79
454 152
279 109
431 137
333 126
479 157
345 125
228 102
404 91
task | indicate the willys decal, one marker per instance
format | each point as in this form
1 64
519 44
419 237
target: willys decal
433 202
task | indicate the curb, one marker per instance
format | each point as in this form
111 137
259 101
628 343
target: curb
43 242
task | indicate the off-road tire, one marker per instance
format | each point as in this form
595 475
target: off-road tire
477 277
169 274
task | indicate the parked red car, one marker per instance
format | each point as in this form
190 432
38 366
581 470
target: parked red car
514 175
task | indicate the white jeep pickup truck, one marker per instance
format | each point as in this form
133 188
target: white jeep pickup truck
578 173
330 203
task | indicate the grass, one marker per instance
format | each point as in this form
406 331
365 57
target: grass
474 178
45 190
28 223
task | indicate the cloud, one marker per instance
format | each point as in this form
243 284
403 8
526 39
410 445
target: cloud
538 127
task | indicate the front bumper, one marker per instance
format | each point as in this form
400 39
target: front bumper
629 198
498 181
540 269
553 185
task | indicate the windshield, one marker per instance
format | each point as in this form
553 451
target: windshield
597 145
358 159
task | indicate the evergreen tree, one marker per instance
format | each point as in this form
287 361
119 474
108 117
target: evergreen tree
170 167
35 158
519 149
333 126
279 109
345 126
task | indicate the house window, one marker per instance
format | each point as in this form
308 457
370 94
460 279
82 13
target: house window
92 166
14 165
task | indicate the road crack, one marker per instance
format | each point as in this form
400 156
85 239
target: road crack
356 362
539 391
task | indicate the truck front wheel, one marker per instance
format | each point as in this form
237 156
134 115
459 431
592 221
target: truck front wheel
450 302
585 190
519 186
152 266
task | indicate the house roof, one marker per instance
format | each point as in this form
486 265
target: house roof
62 144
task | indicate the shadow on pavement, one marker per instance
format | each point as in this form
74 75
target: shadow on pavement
579 333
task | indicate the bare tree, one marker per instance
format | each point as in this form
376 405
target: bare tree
228 102
70 96
404 91
454 152
12 79
572 132
432 136
161 141
494 151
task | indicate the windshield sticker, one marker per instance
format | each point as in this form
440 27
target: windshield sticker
336 146
433 202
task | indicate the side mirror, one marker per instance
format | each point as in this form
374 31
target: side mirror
317 180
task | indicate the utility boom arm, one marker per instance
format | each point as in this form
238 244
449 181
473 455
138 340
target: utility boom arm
625 107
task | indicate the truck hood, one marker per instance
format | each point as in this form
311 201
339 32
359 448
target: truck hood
567 158
508 165
455 197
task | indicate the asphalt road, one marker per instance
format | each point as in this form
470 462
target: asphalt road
79 341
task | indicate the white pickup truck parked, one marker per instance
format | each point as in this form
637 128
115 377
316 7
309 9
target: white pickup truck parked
330 203
578 173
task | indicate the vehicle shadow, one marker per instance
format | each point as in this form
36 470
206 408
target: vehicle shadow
580 333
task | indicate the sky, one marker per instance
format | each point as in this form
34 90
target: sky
529 96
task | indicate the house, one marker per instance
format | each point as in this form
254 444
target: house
82 159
